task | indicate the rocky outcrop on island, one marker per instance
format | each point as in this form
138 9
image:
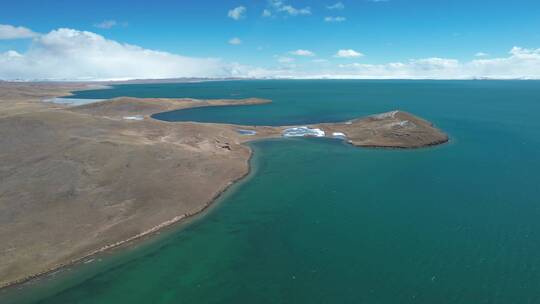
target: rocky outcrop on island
395 129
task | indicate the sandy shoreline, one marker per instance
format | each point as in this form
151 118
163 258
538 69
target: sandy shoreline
111 181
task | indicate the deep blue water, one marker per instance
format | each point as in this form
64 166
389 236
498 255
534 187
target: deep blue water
320 221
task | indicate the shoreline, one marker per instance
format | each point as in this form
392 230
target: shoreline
167 224
117 109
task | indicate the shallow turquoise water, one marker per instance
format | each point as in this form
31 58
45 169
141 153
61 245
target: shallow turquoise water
319 221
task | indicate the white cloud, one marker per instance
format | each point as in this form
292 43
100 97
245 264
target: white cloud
235 41
521 63
15 32
283 59
67 54
334 19
278 6
294 11
348 54
106 24
481 54
237 13
301 52
336 6
11 54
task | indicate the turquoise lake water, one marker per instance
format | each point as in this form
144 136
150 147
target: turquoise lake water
319 221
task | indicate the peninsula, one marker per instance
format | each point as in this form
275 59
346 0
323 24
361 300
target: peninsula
77 180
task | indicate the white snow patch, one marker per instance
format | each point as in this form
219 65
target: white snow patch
339 135
71 101
246 132
136 117
386 115
303 131
402 124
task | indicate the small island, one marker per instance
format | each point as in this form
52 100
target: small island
78 180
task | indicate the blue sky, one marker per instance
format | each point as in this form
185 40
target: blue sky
382 31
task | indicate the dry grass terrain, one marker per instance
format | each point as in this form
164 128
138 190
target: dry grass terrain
76 180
